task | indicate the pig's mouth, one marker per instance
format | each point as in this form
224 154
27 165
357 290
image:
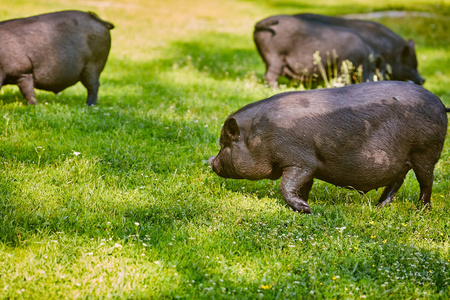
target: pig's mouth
213 165
210 161
220 170
417 80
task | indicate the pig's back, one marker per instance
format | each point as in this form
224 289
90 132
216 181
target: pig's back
412 98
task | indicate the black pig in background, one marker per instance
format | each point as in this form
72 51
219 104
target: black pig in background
54 51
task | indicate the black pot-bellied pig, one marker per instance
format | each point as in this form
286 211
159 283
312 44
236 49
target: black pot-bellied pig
364 136
54 51
288 45
395 51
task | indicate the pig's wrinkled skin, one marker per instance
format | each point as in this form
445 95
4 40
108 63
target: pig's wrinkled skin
394 50
54 51
287 44
364 136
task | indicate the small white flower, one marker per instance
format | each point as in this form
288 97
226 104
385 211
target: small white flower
76 153
136 223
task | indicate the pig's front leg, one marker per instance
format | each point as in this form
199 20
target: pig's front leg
295 186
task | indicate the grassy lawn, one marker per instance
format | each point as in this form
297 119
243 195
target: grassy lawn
118 200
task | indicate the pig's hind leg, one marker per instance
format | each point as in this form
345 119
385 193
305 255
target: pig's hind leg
391 190
295 186
275 67
423 165
26 86
389 193
424 175
89 79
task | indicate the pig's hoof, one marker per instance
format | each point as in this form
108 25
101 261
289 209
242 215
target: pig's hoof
427 206
383 203
303 209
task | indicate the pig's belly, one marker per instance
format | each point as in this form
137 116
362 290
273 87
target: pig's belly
56 84
58 75
363 171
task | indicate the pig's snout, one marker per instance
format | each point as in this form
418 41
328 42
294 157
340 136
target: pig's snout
421 80
210 161
418 80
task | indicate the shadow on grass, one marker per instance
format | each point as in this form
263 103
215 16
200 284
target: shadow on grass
218 56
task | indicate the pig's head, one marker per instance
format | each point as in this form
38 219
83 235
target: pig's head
406 67
240 156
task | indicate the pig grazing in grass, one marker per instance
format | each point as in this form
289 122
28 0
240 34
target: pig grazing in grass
364 136
288 45
54 51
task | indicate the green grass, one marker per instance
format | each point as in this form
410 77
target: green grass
118 201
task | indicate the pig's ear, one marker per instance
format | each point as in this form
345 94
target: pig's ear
406 53
411 44
232 129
